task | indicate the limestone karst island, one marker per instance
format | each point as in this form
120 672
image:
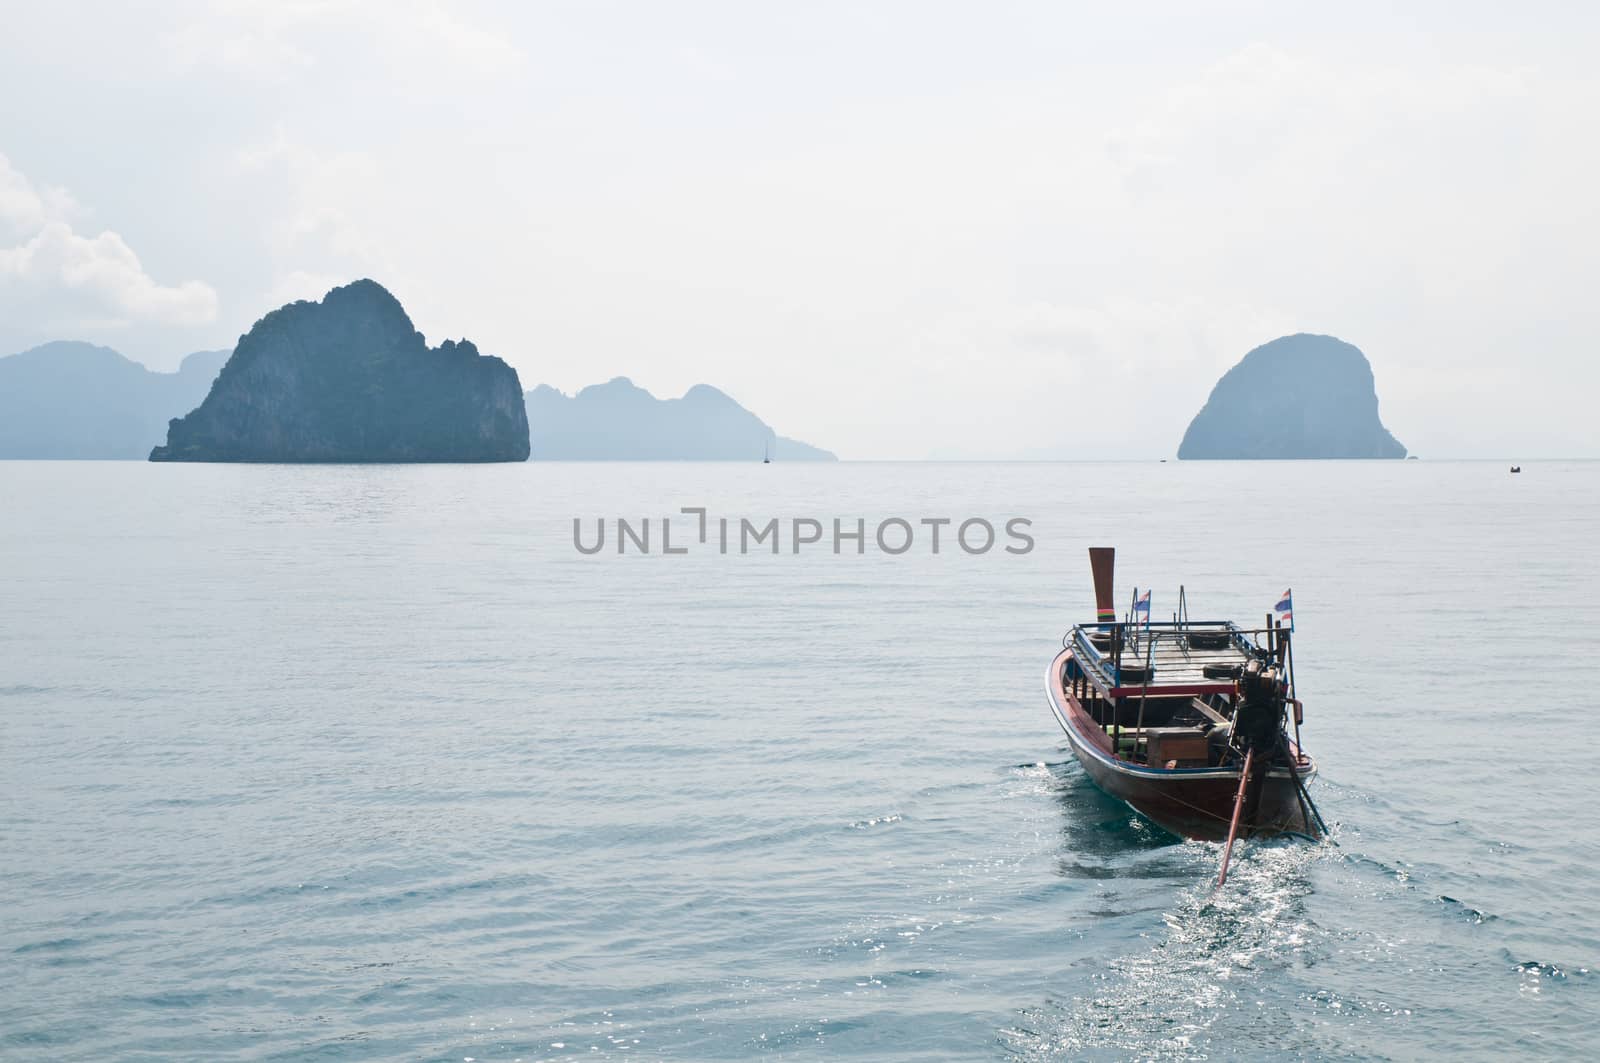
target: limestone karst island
1300 396
620 421
350 380
72 400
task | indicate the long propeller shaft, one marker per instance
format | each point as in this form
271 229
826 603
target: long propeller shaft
1238 810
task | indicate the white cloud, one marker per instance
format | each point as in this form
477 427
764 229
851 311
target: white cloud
278 40
432 28
81 281
1266 113
325 193
302 284
25 207
325 233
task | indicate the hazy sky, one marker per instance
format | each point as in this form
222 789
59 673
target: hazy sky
891 229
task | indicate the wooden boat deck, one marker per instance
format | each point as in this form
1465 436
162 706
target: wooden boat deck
1178 667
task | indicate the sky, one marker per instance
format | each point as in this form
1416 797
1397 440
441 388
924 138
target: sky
895 230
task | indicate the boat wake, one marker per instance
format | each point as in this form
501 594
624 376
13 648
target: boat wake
1193 992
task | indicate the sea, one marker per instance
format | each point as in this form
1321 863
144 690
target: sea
379 762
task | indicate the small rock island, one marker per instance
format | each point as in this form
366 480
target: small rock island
350 379
1300 396
620 421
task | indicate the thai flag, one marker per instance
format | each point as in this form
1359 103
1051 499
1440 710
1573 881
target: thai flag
1141 604
1285 608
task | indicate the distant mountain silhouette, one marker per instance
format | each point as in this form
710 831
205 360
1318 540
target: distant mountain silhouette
1300 396
618 421
76 400
350 379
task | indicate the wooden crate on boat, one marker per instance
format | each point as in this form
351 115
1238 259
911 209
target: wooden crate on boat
1186 749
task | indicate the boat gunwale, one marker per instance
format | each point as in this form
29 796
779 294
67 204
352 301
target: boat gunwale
1081 743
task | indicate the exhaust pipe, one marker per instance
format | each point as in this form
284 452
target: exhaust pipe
1103 562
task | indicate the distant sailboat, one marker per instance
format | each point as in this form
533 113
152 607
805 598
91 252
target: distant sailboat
766 453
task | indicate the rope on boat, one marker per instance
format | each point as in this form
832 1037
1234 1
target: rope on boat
1305 796
1299 797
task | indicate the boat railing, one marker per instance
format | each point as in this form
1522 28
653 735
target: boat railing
1139 639
1171 626
1132 634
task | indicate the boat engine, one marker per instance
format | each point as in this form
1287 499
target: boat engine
1258 721
1258 725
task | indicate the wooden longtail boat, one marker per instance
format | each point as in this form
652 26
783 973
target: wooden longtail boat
1166 716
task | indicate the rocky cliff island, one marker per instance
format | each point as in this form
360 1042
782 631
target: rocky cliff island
1300 396
350 379
620 421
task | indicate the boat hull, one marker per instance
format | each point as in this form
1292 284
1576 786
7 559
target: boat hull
1189 802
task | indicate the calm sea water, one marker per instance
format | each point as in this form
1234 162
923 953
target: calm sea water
370 763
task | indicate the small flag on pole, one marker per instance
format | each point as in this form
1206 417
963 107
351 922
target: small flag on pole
1285 610
1141 604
